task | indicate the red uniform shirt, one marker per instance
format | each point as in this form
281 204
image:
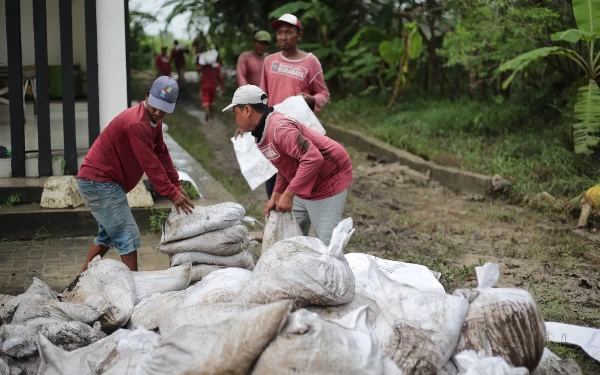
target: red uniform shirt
128 148
249 68
211 75
310 165
163 64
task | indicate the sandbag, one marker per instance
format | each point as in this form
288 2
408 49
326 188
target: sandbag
241 260
200 271
469 362
108 287
339 311
503 322
151 309
417 330
280 226
230 347
170 280
199 316
19 340
201 220
224 242
8 306
304 270
134 347
414 275
311 345
28 366
56 361
220 286
39 301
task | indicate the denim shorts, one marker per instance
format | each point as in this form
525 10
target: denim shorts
108 203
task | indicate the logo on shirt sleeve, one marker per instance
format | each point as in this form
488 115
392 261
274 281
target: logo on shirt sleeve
270 152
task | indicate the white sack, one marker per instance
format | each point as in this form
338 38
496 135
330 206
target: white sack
414 275
280 226
108 287
255 168
56 361
502 322
8 306
241 260
224 242
132 348
150 310
471 363
199 315
339 311
200 271
296 108
27 366
220 286
172 279
230 347
203 219
311 345
304 270
418 330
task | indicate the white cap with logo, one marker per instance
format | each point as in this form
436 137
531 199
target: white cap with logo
248 94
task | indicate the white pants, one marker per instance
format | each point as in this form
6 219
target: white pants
324 214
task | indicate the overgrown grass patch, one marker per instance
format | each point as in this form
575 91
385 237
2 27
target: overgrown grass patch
534 153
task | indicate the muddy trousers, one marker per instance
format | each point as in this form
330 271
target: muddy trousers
324 214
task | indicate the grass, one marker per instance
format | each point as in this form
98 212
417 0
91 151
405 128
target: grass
157 218
11 200
533 153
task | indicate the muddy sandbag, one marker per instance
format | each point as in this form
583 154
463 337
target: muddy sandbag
203 219
224 242
220 286
132 348
19 340
56 361
241 260
304 270
108 287
150 310
503 322
39 301
417 330
339 311
309 344
172 279
230 347
200 271
27 366
199 316
469 362
8 306
279 226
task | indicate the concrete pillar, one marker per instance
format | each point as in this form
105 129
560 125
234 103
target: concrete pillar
112 67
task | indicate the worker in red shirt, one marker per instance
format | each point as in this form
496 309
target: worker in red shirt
131 145
211 75
177 56
250 63
162 63
314 171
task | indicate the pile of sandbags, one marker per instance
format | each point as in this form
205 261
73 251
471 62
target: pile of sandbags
210 238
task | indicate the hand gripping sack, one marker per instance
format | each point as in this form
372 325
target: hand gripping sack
503 322
223 242
311 345
203 219
280 226
304 270
418 330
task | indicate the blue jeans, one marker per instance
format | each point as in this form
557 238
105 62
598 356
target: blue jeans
108 203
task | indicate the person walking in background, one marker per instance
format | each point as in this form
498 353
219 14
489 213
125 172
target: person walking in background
292 72
178 57
162 63
250 63
211 75
132 144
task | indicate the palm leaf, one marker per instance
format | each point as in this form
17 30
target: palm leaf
587 15
331 72
587 115
522 61
290 8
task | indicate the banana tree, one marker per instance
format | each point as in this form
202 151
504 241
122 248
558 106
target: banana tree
587 107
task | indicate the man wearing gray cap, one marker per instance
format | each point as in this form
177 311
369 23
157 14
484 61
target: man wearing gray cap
132 144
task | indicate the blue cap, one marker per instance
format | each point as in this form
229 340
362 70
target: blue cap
163 94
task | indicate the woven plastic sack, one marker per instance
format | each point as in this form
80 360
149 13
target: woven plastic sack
220 286
469 362
173 279
150 310
280 226
241 260
255 168
224 242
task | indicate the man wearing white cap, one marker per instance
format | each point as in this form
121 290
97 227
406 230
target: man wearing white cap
131 145
314 170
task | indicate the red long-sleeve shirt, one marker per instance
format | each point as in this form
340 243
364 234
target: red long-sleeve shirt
128 148
211 75
310 165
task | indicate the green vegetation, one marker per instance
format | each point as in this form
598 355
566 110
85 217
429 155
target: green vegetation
190 190
11 200
157 218
42 233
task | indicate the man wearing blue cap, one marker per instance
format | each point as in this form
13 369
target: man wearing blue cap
131 145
